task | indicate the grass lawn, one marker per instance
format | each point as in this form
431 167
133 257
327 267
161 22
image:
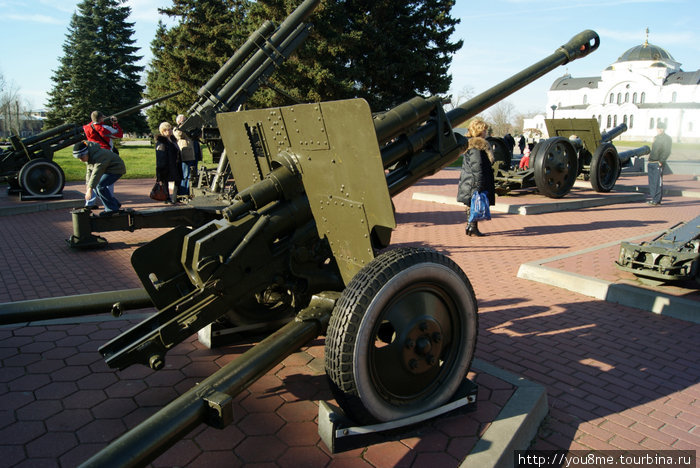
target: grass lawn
140 162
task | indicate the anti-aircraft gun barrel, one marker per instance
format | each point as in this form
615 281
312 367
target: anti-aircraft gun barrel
271 51
614 132
152 102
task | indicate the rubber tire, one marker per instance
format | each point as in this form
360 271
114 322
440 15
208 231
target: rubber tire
552 178
500 151
605 168
52 182
353 325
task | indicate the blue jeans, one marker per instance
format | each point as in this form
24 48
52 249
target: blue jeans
189 170
656 181
110 203
95 200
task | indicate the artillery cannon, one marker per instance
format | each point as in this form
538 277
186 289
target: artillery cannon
29 168
575 149
238 79
301 239
671 256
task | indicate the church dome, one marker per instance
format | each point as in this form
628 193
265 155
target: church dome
645 51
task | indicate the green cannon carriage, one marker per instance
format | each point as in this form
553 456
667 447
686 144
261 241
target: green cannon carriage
575 149
301 243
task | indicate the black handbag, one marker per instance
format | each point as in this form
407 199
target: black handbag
158 192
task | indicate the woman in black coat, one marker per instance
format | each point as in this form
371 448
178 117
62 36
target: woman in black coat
168 159
477 172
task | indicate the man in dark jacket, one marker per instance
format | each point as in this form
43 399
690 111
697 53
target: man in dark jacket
104 168
660 151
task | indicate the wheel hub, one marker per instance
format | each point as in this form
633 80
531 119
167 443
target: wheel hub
422 346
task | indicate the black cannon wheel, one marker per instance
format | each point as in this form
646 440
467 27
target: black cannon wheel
42 177
401 337
555 167
500 151
605 168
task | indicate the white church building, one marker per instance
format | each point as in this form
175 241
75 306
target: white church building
644 86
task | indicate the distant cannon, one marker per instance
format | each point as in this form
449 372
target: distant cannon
28 167
576 148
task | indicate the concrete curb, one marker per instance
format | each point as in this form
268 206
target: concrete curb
33 207
538 208
624 294
515 426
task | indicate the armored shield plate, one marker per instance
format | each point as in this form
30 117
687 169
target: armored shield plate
336 147
586 129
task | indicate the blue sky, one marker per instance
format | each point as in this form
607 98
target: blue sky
500 37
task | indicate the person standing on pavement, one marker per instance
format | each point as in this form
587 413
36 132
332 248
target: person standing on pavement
168 160
190 153
521 143
476 173
104 135
660 151
104 169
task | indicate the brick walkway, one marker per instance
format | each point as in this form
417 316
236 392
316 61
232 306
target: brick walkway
616 377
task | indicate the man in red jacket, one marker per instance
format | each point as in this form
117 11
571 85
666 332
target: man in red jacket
97 132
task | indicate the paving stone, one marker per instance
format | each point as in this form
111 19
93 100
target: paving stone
103 430
260 449
52 444
297 434
22 432
256 424
39 410
303 456
69 420
220 440
602 363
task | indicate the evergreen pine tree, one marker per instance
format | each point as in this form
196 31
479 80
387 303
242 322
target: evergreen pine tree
188 54
385 51
98 70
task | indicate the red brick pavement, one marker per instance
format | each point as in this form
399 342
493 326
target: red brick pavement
616 377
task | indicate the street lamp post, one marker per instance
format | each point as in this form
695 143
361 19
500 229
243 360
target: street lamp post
554 107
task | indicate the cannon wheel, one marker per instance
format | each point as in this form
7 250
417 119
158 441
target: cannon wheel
605 168
401 337
42 178
556 167
500 151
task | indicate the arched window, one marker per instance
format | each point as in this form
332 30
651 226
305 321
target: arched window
634 98
631 121
627 97
612 98
624 119
674 96
651 123
641 99
615 121
585 99
608 125
599 119
619 98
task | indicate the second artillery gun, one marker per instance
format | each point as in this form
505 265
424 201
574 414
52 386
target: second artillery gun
575 149
304 238
28 167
